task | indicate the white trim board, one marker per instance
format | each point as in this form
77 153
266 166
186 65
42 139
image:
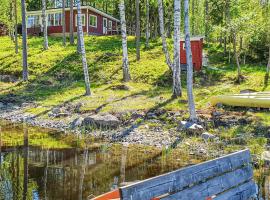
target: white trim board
55 10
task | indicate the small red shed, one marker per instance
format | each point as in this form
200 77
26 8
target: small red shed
197 52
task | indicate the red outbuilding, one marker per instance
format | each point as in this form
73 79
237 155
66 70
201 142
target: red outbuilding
94 21
197 52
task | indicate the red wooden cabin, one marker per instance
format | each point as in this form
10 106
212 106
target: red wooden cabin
197 52
94 21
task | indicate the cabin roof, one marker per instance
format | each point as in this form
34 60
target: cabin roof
53 10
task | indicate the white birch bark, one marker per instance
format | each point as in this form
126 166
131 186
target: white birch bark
191 103
71 30
126 75
16 27
147 31
82 49
138 31
162 32
78 37
177 68
24 41
64 22
236 58
268 65
44 25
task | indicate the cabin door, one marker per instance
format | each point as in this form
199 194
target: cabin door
105 26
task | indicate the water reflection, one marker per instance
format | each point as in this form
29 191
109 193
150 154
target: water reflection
30 171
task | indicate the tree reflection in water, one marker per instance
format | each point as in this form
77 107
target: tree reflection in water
67 171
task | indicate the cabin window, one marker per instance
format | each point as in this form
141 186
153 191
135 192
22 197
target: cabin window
184 45
83 20
93 21
32 20
50 19
110 25
54 19
57 19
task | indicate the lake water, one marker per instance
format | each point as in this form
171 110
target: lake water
44 164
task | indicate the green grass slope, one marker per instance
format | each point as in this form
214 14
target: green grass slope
56 76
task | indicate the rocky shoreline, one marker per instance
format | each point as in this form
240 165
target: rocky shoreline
158 128
101 126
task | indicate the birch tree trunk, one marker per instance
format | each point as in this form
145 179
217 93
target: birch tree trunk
138 31
191 103
206 21
71 30
44 24
79 51
177 68
11 16
162 32
268 65
82 49
193 17
16 27
147 33
236 58
24 42
126 75
64 21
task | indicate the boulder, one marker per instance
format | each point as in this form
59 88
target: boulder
8 78
58 112
76 123
190 127
77 108
102 121
2 105
120 87
207 136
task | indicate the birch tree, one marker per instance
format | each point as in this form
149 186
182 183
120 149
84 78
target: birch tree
138 31
82 49
78 37
16 27
24 41
147 31
44 25
236 57
191 103
64 21
126 74
71 30
268 65
162 32
177 68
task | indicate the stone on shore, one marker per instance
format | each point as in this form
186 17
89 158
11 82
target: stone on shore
2 105
102 121
190 127
207 136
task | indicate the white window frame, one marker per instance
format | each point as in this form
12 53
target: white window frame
33 20
54 14
110 25
83 22
59 20
105 27
90 20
